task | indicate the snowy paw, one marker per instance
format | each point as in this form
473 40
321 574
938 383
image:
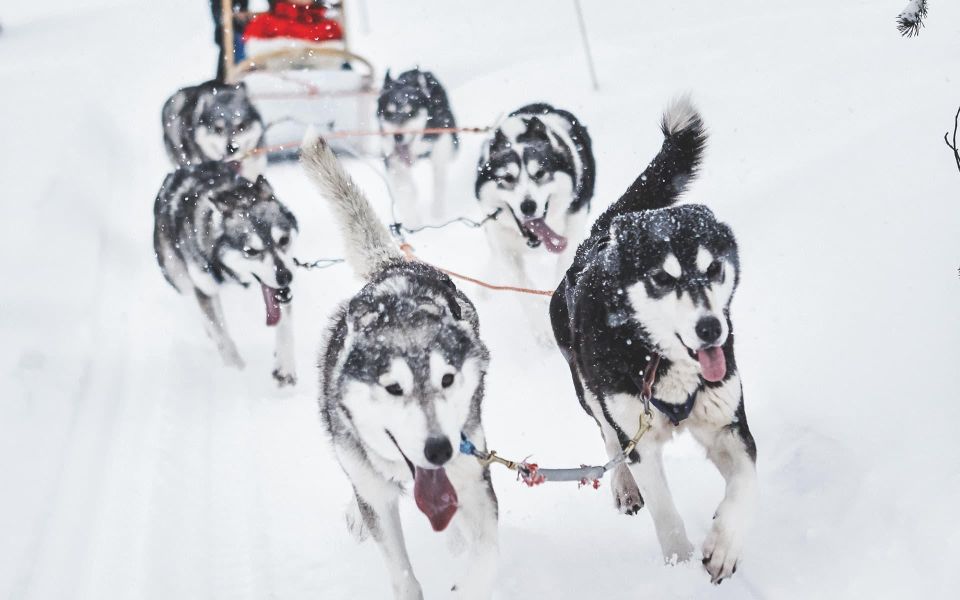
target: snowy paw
283 378
626 494
721 550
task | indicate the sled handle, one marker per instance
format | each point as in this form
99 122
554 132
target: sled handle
257 63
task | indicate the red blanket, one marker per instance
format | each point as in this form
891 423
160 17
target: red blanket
293 21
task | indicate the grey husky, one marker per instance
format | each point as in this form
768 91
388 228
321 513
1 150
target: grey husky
212 227
402 373
649 295
214 121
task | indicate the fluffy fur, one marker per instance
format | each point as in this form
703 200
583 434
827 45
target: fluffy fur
402 369
657 279
212 227
214 121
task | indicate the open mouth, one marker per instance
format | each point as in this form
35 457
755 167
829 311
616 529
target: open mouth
272 299
432 491
551 240
713 363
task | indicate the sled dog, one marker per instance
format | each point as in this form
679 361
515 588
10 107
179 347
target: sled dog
412 102
401 379
214 121
212 227
653 282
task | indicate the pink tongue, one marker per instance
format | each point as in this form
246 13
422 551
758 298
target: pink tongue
273 306
552 241
403 151
713 363
435 496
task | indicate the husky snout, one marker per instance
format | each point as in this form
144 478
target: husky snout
709 329
438 450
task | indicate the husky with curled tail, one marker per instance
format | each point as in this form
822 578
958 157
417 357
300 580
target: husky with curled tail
649 293
402 371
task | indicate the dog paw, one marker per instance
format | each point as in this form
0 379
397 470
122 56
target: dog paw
626 494
284 379
721 550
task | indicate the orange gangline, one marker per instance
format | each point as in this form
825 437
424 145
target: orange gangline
407 250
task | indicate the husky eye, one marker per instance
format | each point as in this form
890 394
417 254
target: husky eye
447 380
715 271
284 240
251 252
394 389
539 174
662 279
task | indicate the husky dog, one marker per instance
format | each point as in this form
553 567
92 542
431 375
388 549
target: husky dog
653 282
214 121
414 101
213 226
401 380
537 173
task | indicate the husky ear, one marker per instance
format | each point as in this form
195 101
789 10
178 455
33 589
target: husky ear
499 139
536 127
387 80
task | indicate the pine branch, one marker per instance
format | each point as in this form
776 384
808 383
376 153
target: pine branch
910 20
953 146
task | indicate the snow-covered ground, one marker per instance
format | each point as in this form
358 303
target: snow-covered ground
133 465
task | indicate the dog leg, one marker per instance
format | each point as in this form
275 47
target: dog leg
440 158
403 192
377 500
652 482
724 543
216 328
477 518
626 495
284 363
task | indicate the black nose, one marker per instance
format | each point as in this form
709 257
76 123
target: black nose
284 276
528 207
708 328
232 147
438 450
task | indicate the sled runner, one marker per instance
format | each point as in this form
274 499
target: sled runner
299 70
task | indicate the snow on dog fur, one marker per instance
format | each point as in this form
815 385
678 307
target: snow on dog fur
654 282
402 373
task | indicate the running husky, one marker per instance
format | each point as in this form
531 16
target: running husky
214 121
213 226
653 282
537 173
401 379
414 101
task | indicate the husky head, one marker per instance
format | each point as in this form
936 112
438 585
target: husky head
257 233
524 169
227 126
413 367
404 103
678 268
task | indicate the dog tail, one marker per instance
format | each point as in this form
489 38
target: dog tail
667 175
368 244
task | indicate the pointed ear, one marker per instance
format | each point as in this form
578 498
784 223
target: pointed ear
499 138
263 186
387 80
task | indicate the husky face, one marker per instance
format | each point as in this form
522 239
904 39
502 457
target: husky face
258 233
402 100
412 372
679 269
525 170
228 127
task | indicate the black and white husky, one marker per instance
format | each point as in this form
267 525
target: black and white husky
214 121
414 101
537 173
401 379
654 282
212 227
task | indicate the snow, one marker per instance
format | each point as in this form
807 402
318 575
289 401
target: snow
136 466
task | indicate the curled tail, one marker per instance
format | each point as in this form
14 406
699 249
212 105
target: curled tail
368 244
667 175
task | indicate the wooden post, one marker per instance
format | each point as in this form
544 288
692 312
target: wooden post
226 26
